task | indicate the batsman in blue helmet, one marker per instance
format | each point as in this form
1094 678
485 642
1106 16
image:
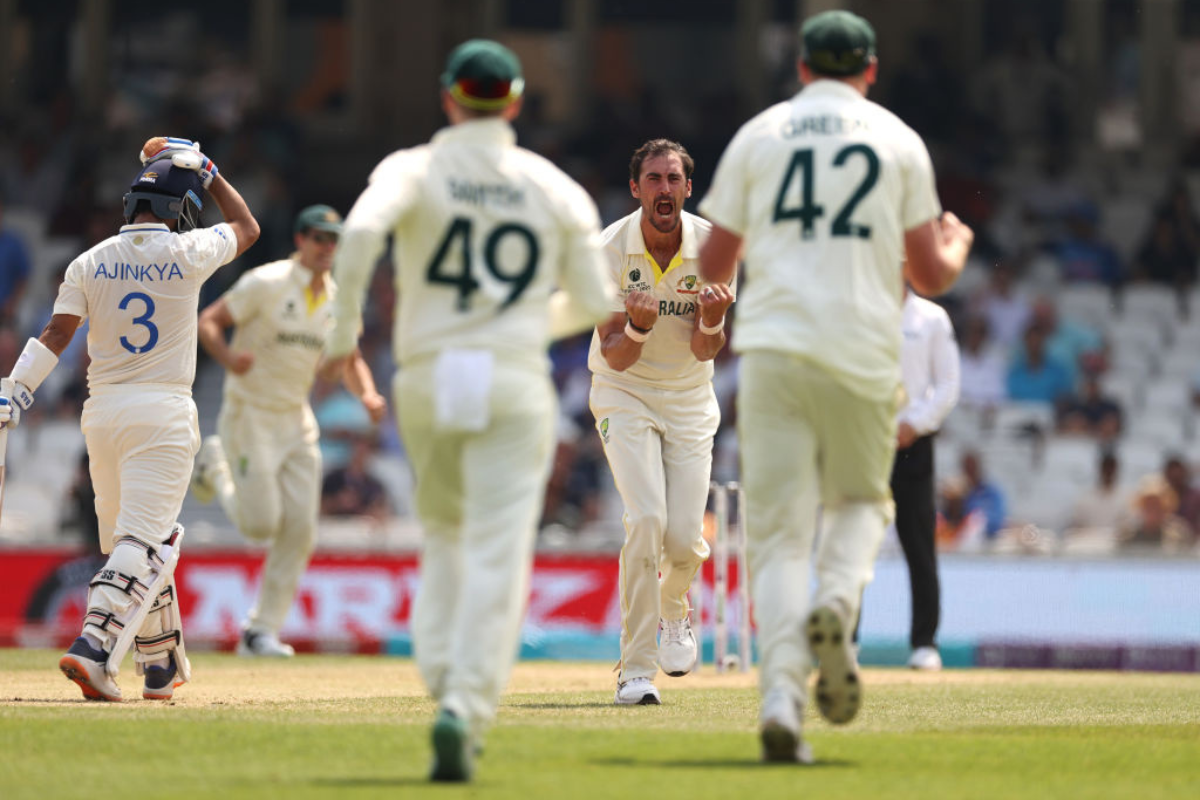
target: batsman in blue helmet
140 290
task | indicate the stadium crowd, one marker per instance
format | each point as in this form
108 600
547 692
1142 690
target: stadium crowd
1076 319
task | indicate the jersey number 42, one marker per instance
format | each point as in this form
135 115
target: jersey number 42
808 212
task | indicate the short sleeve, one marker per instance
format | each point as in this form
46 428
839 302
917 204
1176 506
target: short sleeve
921 202
71 297
208 249
245 297
725 204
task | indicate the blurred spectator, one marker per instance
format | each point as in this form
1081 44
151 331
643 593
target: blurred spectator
1039 377
1164 257
1171 246
14 271
1004 306
351 490
1154 524
1091 413
982 367
1179 477
983 496
1103 510
1083 256
958 528
1075 345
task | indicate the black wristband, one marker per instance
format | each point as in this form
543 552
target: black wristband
629 320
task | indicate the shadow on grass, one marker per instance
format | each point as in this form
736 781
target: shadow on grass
556 706
719 763
370 783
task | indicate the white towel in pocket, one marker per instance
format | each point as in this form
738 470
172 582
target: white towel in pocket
463 390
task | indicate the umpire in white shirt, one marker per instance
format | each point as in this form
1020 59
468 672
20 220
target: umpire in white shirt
929 369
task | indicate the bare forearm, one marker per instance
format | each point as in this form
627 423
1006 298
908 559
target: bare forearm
705 346
357 377
236 212
619 351
59 332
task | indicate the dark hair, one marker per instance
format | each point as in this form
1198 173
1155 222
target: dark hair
658 147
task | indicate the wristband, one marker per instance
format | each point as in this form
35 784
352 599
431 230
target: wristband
635 334
715 329
35 363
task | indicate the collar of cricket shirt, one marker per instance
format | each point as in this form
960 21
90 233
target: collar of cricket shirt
146 227
689 247
829 86
489 130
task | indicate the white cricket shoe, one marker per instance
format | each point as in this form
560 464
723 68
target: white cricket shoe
677 651
209 462
839 693
637 692
779 728
927 659
263 644
85 666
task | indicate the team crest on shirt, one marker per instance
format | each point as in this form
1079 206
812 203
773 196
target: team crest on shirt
635 275
289 310
687 285
604 429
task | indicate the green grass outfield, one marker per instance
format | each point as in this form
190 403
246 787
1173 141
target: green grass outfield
330 726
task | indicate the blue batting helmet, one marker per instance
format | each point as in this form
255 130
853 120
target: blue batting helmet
172 192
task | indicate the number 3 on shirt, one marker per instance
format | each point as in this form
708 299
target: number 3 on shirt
143 321
461 228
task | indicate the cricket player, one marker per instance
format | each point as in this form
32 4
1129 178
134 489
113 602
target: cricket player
829 194
656 411
264 465
140 289
483 232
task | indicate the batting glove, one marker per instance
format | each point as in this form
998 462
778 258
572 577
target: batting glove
14 398
203 165
168 146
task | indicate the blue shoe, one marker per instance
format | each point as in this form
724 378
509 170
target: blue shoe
453 753
86 667
161 681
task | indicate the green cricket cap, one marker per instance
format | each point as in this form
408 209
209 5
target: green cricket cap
321 218
483 74
837 43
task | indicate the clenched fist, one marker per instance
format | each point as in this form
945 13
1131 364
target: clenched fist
715 300
642 309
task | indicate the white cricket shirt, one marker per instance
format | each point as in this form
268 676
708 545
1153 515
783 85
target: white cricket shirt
822 188
284 327
667 361
141 289
483 232
928 365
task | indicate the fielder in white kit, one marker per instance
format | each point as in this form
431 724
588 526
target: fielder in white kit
829 193
483 232
656 411
264 465
140 289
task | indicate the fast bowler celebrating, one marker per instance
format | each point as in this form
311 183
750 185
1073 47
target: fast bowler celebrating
656 412
829 193
140 289
484 231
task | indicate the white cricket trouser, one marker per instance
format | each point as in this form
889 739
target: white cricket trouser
272 493
659 446
807 440
141 440
479 498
